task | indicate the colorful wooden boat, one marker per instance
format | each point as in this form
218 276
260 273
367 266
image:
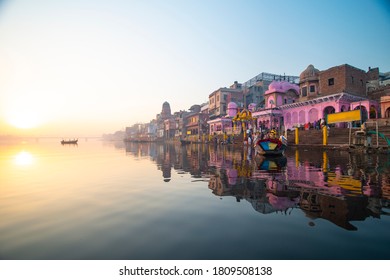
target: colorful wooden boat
270 147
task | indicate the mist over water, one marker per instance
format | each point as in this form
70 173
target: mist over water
111 200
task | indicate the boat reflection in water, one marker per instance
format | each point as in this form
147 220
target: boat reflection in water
331 185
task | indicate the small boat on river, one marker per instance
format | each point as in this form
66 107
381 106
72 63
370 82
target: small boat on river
74 141
271 146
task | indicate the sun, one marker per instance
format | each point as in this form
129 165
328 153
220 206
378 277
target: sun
24 121
23 115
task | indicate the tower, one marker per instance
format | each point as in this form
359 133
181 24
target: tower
166 110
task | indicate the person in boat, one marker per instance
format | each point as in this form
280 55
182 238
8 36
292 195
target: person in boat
272 134
283 139
258 149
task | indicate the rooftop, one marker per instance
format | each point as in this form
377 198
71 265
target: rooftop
264 76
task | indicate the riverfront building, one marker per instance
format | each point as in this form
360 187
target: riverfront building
289 104
338 89
275 101
220 98
225 103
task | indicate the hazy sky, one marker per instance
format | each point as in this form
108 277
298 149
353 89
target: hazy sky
81 67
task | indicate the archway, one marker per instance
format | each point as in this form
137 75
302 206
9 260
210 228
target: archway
387 113
275 123
329 110
288 118
313 115
294 120
373 113
302 119
364 113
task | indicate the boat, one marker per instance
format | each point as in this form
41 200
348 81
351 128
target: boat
271 146
74 141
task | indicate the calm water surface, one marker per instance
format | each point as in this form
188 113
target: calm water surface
111 200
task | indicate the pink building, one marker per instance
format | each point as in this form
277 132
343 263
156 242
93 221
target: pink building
224 124
279 93
319 93
338 89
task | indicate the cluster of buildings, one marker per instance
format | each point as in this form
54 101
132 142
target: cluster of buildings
274 101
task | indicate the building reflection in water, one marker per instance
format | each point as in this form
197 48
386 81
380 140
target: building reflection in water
332 185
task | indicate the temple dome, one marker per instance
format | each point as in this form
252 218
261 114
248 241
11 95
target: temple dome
232 105
274 86
309 73
252 107
281 86
232 109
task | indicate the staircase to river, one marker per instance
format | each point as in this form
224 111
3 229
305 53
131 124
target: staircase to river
338 136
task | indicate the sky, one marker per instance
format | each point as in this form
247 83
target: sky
75 68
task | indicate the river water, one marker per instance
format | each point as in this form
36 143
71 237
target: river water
115 200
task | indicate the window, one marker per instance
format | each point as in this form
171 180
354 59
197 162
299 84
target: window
352 80
304 91
331 82
361 81
312 88
217 98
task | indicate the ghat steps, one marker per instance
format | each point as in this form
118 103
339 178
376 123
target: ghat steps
337 136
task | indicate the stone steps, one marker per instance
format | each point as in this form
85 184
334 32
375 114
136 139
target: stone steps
337 136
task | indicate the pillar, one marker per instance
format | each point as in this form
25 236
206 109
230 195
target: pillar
325 135
296 136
